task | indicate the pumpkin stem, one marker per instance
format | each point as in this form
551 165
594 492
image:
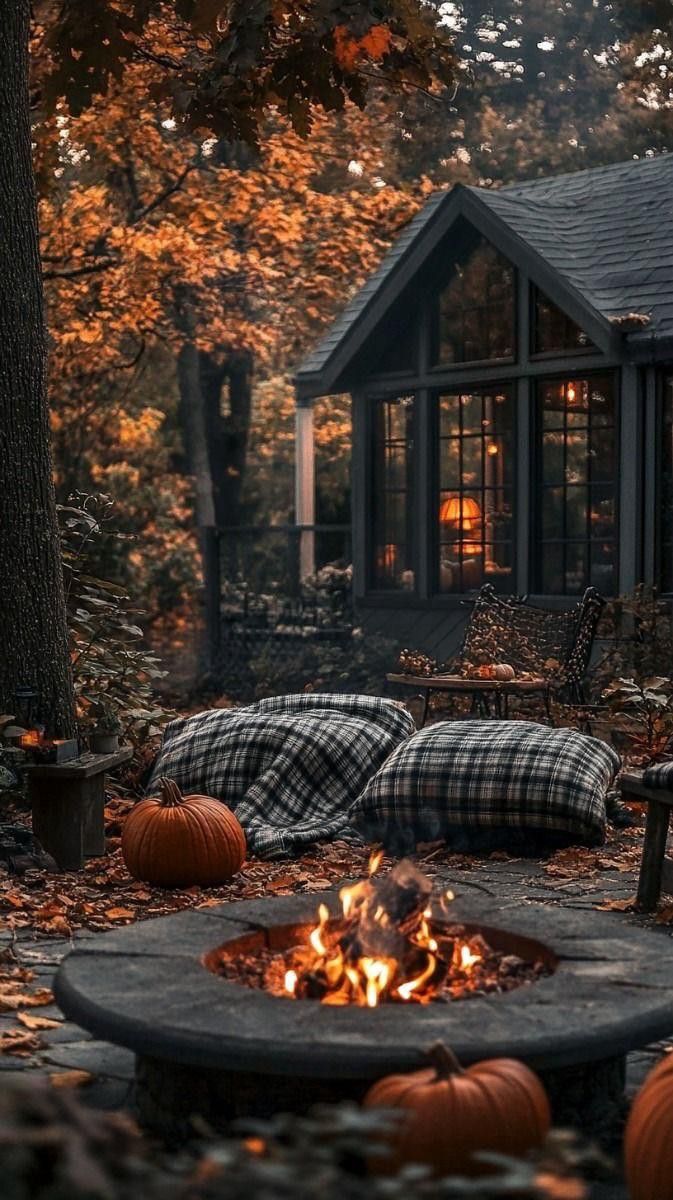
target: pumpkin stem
169 792
444 1061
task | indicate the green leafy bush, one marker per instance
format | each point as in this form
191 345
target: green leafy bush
114 674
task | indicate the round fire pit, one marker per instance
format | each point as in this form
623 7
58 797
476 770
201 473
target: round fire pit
208 1045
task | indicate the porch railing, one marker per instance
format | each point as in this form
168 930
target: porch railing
255 596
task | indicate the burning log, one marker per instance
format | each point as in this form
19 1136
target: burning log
392 910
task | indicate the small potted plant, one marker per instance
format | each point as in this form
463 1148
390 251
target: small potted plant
105 735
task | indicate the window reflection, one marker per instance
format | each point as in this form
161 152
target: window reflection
392 494
553 330
475 490
476 308
576 541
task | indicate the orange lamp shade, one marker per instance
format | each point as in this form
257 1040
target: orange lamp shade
462 512
386 558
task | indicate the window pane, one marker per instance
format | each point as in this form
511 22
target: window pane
576 542
476 308
392 566
475 490
666 490
553 330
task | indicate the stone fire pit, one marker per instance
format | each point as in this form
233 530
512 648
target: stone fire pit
214 1047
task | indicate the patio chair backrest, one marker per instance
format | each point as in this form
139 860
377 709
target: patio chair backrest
552 643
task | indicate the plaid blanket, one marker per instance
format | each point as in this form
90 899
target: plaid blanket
489 775
659 775
289 766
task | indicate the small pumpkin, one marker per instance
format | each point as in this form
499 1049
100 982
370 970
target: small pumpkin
172 840
649 1136
503 672
498 1106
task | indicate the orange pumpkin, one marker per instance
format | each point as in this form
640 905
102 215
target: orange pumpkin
498 1106
503 671
172 840
648 1137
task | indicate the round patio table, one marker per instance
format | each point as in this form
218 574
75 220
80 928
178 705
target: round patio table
490 697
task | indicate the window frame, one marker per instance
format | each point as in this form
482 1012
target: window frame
537 486
541 356
438 366
373 588
436 394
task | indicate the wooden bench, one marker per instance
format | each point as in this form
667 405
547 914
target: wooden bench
68 803
656 871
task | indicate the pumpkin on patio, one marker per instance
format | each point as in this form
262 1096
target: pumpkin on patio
649 1135
172 840
498 1106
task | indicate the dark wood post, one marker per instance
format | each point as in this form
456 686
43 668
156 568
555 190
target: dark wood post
210 549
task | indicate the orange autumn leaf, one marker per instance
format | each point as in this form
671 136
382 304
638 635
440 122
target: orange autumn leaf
349 50
10 999
19 1042
119 914
35 1023
70 1079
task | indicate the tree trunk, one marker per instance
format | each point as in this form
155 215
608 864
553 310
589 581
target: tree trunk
32 607
228 427
195 434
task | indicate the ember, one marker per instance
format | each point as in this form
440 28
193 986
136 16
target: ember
386 948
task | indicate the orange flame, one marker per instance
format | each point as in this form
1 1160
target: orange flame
331 969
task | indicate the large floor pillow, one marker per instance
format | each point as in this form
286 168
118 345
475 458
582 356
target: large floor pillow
497 781
289 766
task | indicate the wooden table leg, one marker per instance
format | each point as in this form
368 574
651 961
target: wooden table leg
58 822
654 849
93 806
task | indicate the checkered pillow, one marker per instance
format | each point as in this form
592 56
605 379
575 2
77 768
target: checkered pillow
489 775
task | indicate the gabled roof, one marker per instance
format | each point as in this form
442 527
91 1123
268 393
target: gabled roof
602 238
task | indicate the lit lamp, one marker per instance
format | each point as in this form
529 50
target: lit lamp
462 515
386 559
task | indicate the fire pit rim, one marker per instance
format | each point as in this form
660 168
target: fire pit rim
594 1005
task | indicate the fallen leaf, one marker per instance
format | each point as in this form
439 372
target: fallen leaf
70 1079
18 1042
33 1022
618 905
119 914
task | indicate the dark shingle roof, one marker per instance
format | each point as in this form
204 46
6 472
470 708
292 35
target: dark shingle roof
607 232
357 305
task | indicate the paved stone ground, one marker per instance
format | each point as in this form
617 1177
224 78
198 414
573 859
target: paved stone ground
111 1087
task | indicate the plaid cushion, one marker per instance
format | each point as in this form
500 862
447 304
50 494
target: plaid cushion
289 766
503 775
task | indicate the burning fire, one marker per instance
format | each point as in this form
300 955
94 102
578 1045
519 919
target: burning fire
384 949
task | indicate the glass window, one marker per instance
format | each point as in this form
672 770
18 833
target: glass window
553 330
577 464
476 456
392 494
666 490
477 307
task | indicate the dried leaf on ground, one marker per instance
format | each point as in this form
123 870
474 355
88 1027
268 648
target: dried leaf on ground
70 1079
618 905
11 999
36 1023
19 1043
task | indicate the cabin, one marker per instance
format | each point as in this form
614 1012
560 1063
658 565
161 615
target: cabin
511 372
